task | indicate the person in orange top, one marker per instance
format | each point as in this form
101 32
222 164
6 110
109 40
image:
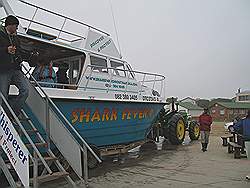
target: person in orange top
205 122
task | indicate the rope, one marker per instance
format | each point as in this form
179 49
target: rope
115 28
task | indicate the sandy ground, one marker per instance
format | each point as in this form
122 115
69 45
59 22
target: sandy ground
184 166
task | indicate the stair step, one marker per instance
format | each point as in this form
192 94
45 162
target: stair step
24 119
37 145
50 177
31 131
20 119
47 159
50 159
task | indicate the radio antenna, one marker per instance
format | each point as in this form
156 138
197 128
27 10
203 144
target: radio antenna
117 38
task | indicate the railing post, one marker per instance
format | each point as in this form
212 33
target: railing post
154 83
142 82
161 87
31 20
85 165
126 85
61 28
35 170
111 77
47 122
92 68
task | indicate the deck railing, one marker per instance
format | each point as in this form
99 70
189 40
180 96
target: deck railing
150 81
57 31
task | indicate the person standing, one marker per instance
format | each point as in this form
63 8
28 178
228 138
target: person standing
205 122
10 69
45 73
62 74
243 126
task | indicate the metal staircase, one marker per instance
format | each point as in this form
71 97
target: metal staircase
42 158
51 154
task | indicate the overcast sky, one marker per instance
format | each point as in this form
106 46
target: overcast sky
201 46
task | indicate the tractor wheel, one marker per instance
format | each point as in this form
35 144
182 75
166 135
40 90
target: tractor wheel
92 161
176 129
194 130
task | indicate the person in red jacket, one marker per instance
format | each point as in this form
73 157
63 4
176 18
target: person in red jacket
205 122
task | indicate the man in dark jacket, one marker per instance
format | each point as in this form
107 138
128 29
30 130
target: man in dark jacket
205 122
10 59
243 126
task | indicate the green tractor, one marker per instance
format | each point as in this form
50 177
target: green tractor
173 124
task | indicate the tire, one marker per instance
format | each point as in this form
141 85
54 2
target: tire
176 129
194 130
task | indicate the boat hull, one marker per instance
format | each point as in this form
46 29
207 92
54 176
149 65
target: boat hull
103 123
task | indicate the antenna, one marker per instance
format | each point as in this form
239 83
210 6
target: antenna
115 28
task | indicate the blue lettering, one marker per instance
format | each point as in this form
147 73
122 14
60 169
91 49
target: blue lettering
10 139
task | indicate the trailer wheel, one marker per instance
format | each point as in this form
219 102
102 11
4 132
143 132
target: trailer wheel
92 161
176 129
194 130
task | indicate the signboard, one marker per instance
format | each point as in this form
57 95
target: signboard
14 148
101 43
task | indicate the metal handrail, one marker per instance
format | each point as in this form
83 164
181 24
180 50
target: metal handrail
64 118
65 17
26 135
156 79
56 84
139 72
50 27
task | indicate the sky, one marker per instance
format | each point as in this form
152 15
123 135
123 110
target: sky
202 47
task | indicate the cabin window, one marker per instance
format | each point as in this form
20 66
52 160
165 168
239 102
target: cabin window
242 98
247 97
99 64
117 68
69 70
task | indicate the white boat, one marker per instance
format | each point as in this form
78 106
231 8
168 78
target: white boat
106 104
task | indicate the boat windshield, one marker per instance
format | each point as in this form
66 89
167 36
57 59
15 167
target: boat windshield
99 64
118 68
69 70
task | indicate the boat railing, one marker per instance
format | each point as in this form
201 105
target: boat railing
152 81
59 33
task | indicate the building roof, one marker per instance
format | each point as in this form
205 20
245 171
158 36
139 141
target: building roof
190 106
234 105
186 98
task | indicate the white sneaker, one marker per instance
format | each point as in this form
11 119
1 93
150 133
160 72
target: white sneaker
248 177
